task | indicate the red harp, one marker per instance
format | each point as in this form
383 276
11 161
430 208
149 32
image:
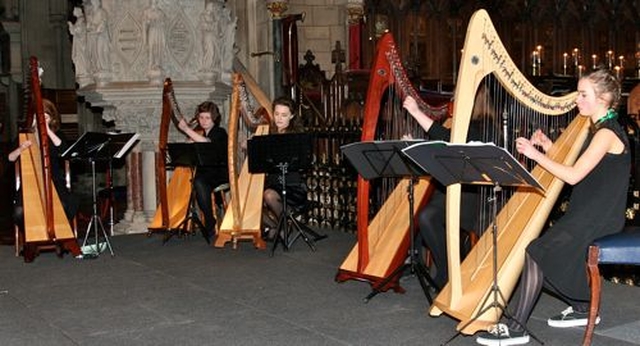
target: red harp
383 241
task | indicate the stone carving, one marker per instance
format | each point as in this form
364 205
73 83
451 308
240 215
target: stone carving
208 40
154 38
228 26
78 51
98 41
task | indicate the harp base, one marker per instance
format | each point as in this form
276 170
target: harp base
233 237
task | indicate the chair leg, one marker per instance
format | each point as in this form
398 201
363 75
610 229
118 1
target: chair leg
596 287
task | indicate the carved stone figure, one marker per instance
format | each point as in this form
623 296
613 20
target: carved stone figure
98 38
228 35
78 51
208 38
154 34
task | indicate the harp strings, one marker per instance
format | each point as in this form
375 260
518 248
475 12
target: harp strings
503 119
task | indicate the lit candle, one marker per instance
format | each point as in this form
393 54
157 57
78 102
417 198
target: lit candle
621 62
610 59
576 57
565 60
580 71
617 71
594 60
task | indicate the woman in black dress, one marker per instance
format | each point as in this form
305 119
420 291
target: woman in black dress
207 178
600 178
284 121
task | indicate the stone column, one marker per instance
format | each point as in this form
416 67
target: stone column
277 8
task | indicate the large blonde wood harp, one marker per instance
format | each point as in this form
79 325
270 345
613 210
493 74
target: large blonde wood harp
523 216
243 217
173 197
45 222
383 241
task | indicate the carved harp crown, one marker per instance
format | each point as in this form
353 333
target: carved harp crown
524 214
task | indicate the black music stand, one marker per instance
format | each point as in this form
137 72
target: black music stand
479 164
384 159
281 154
194 155
99 146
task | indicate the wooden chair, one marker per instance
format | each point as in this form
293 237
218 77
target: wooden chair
621 248
219 207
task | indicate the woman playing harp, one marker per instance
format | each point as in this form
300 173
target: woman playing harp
431 219
383 241
469 294
41 180
600 178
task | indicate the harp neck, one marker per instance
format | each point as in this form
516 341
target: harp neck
483 54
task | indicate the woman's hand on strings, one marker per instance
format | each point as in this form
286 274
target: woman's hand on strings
538 138
526 148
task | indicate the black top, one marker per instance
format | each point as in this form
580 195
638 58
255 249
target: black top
596 208
218 174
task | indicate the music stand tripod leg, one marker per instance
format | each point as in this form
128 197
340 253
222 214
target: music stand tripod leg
302 233
282 234
410 261
495 293
96 224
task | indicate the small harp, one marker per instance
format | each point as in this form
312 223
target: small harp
173 197
383 241
45 222
524 214
243 217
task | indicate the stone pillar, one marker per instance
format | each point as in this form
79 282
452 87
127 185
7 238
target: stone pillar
277 8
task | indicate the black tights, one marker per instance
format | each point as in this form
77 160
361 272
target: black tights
274 207
531 283
530 288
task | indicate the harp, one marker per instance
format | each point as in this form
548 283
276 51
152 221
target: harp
383 241
243 217
45 222
173 197
524 214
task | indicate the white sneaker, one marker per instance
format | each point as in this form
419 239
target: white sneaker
569 318
499 335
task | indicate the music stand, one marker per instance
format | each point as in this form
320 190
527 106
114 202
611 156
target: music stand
281 154
479 164
384 159
99 146
193 155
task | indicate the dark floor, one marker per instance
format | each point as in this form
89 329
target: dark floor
188 293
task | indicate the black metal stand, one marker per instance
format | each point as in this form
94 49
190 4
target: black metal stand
384 159
482 164
95 224
191 219
495 294
286 220
416 267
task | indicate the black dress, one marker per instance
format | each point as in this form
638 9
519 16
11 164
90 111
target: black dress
597 208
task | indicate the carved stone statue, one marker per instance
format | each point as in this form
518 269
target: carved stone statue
208 29
154 34
228 36
78 51
98 38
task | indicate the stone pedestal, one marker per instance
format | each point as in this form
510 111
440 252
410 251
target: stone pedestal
129 90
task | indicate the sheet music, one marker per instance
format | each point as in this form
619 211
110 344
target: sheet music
101 145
